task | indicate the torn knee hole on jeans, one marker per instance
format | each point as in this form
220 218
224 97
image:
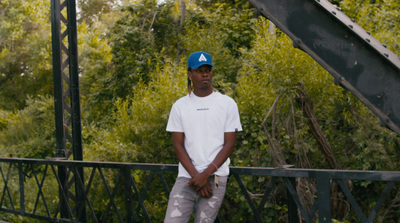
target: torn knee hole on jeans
204 216
213 201
176 212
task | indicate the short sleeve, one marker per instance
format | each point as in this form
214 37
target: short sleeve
233 118
174 121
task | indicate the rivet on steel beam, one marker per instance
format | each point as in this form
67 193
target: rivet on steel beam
384 45
353 20
368 40
386 55
351 26
382 123
368 33
338 81
297 44
335 81
333 12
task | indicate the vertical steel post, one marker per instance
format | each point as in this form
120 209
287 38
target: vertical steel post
324 197
57 80
75 106
67 101
74 81
58 99
21 187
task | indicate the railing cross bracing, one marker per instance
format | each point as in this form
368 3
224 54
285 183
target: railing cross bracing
125 192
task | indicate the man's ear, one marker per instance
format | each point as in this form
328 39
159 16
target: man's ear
189 75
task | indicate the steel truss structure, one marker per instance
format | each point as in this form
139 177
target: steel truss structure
66 97
357 61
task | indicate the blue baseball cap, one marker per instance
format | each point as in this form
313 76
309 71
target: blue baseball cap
199 59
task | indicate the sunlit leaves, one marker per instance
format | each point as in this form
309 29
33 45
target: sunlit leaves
29 133
25 46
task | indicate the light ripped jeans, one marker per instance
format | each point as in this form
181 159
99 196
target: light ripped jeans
184 200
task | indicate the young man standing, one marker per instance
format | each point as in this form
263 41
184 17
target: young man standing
203 125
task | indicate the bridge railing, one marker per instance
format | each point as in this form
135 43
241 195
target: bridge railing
129 192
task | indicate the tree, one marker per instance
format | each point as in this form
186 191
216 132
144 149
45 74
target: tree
221 30
94 65
29 133
143 33
25 52
93 10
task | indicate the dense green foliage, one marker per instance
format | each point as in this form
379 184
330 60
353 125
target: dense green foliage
29 132
132 57
25 52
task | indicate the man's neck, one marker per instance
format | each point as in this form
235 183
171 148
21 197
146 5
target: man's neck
203 93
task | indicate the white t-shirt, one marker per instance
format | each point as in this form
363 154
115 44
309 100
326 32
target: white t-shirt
204 120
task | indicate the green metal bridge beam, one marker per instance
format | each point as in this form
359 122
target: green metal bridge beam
67 98
356 60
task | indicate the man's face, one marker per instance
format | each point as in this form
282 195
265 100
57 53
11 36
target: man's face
201 77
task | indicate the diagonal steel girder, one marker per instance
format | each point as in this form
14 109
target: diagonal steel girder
356 60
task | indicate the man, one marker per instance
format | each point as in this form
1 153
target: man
203 125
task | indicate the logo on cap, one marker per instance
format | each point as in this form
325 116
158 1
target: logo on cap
202 58
198 59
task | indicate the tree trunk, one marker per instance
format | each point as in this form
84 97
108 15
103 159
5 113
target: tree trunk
180 29
340 206
308 111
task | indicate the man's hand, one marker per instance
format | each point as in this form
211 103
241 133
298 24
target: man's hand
201 184
206 191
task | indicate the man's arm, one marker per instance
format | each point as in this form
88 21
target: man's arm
180 151
222 156
226 151
204 188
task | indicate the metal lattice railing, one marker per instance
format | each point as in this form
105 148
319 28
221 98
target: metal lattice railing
128 192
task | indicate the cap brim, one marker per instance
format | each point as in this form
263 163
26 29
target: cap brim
201 64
